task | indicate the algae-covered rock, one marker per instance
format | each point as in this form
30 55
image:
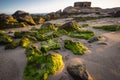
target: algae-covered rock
41 20
43 37
24 42
49 45
12 45
4 38
24 33
78 72
82 34
2 32
108 27
76 47
32 51
70 26
20 34
39 65
48 25
22 16
59 33
7 21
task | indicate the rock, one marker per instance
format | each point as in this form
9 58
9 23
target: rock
70 26
78 72
31 38
41 20
48 25
116 14
4 38
102 43
94 39
41 64
59 11
7 21
12 31
70 10
49 45
76 47
22 16
24 42
53 15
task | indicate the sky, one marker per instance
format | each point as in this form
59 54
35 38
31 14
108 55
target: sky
46 6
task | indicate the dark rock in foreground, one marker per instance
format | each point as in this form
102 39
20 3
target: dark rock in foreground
78 72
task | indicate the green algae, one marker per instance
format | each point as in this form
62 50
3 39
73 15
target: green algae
108 27
76 47
39 65
49 45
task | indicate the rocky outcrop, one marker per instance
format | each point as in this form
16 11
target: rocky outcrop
48 26
78 72
116 14
85 7
7 21
22 16
53 15
70 10
70 26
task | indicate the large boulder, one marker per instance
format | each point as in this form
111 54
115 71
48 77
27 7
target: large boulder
70 10
78 72
24 17
70 26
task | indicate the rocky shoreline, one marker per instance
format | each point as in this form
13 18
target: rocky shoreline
80 43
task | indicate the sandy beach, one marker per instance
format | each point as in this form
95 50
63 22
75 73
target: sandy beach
102 60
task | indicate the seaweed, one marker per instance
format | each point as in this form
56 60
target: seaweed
39 65
4 38
24 42
82 34
108 27
12 45
49 45
76 47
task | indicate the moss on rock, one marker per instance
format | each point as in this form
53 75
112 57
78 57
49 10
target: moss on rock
108 27
39 65
4 38
41 20
76 47
24 42
59 33
70 26
49 45
12 45
82 34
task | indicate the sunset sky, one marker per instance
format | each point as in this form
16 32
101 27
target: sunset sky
45 6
